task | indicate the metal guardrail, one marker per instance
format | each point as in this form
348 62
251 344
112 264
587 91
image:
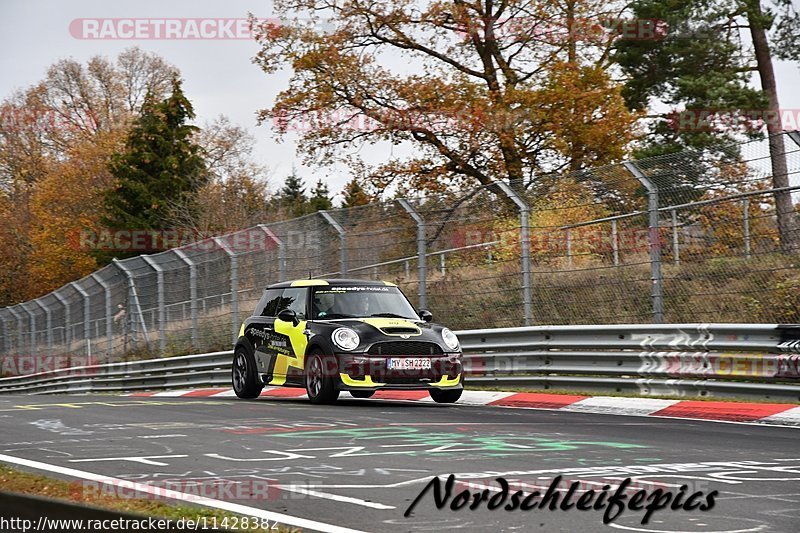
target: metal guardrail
736 360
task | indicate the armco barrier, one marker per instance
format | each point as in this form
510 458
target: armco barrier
735 360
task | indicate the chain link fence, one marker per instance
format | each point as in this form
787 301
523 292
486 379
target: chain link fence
683 237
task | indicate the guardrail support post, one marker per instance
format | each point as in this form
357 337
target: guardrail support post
109 312
281 251
67 319
525 245
162 309
87 331
422 268
234 286
657 290
342 241
746 226
192 292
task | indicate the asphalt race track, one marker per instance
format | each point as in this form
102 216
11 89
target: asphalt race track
360 463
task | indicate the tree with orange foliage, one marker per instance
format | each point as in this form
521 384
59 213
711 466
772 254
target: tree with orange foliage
478 92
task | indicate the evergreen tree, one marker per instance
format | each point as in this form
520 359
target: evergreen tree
159 167
704 63
292 196
320 197
354 194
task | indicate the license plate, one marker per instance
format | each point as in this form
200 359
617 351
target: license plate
408 363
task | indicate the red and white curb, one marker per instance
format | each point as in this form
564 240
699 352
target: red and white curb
780 414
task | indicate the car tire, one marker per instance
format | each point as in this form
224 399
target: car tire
445 396
321 388
244 377
362 393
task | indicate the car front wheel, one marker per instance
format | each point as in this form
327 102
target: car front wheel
243 375
320 383
445 396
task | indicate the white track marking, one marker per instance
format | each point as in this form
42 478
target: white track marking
790 416
633 406
172 393
242 510
630 528
144 460
335 497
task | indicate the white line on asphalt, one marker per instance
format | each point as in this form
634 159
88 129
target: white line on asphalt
242 510
335 497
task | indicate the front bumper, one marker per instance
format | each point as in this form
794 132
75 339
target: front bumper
368 372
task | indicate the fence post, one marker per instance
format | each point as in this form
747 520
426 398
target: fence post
422 267
615 242
162 311
342 241
569 247
234 286
133 302
657 290
746 224
4 340
67 318
109 312
192 292
676 250
525 244
281 252
19 327
49 325
87 313
32 332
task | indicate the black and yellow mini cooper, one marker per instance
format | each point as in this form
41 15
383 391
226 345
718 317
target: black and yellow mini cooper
344 335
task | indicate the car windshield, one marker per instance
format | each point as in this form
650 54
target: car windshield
330 303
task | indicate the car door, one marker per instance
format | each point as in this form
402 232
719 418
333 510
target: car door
290 360
260 328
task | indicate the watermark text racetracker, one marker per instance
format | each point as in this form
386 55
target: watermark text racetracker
156 240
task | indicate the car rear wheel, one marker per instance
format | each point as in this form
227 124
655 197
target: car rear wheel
243 375
445 396
320 384
362 393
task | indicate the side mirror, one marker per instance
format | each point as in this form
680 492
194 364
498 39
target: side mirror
426 315
287 315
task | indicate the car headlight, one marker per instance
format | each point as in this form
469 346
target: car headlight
346 339
450 339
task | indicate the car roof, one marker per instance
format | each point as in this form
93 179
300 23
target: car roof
330 281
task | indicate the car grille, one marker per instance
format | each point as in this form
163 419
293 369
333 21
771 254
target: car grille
405 348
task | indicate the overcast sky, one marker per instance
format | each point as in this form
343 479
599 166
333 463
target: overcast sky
219 75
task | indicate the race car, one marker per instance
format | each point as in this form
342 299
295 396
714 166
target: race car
349 335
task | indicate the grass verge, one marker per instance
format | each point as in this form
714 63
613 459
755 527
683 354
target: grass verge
20 482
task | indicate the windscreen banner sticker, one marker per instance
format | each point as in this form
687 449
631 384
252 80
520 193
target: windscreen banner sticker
333 290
